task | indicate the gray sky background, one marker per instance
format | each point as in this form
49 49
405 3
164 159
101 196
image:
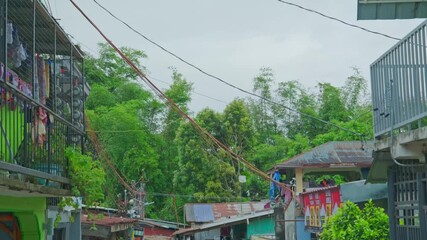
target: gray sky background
233 39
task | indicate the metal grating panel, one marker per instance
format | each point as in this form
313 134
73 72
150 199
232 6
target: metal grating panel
391 9
399 83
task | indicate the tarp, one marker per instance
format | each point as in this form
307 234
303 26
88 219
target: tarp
274 186
12 122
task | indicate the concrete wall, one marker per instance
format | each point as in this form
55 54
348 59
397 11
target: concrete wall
290 226
30 212
71 228
302 234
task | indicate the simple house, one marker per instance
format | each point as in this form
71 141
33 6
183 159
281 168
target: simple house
107 228
227 221
318 198
351 159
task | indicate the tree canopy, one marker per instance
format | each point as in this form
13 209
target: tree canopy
150 143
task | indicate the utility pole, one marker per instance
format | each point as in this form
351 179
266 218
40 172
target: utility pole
141 200
279 220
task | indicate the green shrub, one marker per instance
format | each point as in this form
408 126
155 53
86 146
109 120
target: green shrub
350 222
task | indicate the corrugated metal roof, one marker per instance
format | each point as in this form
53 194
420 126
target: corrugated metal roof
220 210
333 154
225 222
161 224
320 189
109 221
201 213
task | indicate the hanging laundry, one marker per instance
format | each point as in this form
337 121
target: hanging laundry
47 76
39 126
41 78
9 32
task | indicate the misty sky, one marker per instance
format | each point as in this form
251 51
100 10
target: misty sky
233 39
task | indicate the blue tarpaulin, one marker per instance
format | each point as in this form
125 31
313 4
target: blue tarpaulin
274 186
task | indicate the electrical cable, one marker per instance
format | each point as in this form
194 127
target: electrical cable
101 152
338 20
189 196
222 80
200 94
176 108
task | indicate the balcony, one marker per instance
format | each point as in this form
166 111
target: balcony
41 103
399 86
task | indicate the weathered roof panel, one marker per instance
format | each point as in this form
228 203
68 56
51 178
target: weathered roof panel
108 221
337 154
220 210
200 213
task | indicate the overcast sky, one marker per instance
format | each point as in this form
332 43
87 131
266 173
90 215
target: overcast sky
233 39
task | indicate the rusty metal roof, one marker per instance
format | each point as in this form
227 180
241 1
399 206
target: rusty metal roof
333 154
221 210
109 221
228 221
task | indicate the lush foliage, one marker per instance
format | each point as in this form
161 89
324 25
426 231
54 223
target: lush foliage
87 180
149 143
351 222
87 177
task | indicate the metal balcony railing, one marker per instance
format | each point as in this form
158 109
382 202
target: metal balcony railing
42 95
33 140
399 84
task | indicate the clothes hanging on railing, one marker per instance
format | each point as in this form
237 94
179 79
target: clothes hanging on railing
47 76
16 50
9 31
41 78
39 126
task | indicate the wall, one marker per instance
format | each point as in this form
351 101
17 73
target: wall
290 226
302 234
72 229
30 213
260 226
211 234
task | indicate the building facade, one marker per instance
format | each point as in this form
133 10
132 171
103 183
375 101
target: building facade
399 99
41 115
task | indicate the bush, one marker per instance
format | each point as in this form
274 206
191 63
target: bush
350 223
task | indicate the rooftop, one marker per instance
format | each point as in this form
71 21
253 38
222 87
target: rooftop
109 221
209 212
228 221
333 154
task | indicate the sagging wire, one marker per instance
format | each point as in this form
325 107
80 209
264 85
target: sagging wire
176 108
224 81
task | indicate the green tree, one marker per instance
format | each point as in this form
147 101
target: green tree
350 223
201 170
262 111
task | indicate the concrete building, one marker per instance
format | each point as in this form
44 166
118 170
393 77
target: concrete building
399 100
41 114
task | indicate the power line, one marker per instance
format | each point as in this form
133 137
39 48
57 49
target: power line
338 20
198 93
208 136
222 80
189 196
